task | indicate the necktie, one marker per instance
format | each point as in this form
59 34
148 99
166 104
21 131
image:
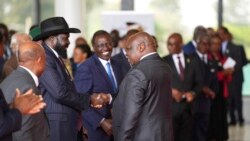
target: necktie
66 70
181 68
109 72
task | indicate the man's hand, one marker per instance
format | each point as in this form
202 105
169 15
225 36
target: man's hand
100 100
28 103
189 96
176 95
208 92
107 126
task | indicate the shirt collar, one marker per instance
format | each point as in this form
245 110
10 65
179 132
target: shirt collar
181 55
104 62
35 78
147 55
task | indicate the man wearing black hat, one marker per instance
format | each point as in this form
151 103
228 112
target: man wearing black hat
64 104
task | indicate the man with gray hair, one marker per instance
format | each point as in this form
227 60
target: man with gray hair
12 63
191 46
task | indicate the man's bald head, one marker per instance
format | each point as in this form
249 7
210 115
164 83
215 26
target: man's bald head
18 39
32 56
138 45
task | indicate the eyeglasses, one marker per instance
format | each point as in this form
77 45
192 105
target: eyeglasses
102 45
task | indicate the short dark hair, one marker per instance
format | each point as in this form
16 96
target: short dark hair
225 29
98 33
85 49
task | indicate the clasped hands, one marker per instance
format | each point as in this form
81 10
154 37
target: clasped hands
100 100
178 96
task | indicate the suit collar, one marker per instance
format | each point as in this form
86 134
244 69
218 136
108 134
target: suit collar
148 55
54 52
30 73
102 70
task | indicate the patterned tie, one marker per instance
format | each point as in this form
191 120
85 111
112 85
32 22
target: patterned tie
109 72
181 68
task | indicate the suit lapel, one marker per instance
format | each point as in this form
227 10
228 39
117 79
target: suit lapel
187 64
174 69
116 72
62 68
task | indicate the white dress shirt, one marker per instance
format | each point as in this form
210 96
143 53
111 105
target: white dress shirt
201 56
104 64
147 55
176 61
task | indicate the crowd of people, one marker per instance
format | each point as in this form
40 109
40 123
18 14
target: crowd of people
122 90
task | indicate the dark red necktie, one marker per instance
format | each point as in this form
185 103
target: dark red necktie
181 68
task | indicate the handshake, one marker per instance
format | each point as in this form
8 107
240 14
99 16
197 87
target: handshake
29 103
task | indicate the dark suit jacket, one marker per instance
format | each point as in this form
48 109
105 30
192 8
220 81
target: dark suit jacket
202 103
237 53
10 120
91 77
63 102
123 63
34 127
189 48
142 109
192 80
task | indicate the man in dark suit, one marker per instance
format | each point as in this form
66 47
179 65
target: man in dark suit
191 46
229 49
186 83
142 108
202 102
99 74
11 114
31 66
63 102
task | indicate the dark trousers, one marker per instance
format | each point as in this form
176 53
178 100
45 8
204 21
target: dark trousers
201 122
235 103
182 122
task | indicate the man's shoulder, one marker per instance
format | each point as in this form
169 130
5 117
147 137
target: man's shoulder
167 57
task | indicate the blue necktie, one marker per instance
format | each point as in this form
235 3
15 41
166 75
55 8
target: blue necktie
111 76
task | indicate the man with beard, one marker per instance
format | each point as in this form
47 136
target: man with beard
64 104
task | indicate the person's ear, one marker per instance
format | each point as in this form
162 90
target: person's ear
39 60
142 47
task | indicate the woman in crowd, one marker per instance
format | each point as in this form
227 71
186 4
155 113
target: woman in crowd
218 130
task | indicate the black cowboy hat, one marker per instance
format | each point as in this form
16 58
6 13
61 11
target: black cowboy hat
54 26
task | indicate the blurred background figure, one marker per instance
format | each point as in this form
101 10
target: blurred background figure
237 53
12 63
80 41
191 46
34 32
5 40
81 54
121 57
218 126
1 53
115 35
